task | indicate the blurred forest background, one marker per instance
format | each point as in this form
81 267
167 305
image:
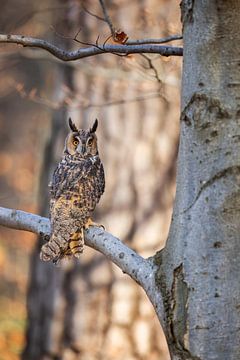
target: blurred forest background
87 309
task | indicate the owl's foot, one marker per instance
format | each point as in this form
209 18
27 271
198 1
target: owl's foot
92 223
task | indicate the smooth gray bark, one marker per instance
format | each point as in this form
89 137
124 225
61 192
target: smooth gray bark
200 267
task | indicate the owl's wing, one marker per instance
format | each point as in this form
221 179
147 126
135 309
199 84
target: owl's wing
66 178
101 179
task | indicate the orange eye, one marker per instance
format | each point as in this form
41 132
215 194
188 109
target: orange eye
90 141
75 142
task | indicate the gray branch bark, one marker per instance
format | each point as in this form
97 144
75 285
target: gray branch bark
139 269
107 17
154 41
65 55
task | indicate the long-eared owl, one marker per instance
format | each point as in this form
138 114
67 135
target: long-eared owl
76 187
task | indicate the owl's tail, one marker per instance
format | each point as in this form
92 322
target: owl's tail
76 243
52 250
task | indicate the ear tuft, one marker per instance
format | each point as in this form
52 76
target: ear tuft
72 125
94 127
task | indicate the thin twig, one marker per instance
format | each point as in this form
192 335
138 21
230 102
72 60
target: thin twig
91 50
75 38
154 41
92 14
65 37
107 17
101 47
151 66
128 42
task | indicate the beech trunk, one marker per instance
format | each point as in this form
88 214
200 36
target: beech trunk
199 268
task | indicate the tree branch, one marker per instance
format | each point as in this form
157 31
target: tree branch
92 14
151 66
21 220
107 17
91 50
154 41
141 270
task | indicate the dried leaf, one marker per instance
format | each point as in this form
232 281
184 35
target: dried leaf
120 37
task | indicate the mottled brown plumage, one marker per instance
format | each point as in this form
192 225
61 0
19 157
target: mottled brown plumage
76 187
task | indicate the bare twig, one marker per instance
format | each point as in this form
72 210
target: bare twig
141 270
107 20
154 41
65 37
151 66
91 50
92 14
75 38
107 17
128 42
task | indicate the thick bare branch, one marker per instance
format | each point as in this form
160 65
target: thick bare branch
91 50
21 220
141 270
128 260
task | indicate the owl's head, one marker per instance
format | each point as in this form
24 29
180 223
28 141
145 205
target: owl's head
81 142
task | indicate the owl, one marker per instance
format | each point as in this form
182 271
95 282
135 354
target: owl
76 187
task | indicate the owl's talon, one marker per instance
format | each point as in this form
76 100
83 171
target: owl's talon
56 261
98 225
92 223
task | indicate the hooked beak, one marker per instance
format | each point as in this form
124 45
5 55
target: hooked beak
81 149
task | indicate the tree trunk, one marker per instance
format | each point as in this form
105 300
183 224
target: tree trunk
199 271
